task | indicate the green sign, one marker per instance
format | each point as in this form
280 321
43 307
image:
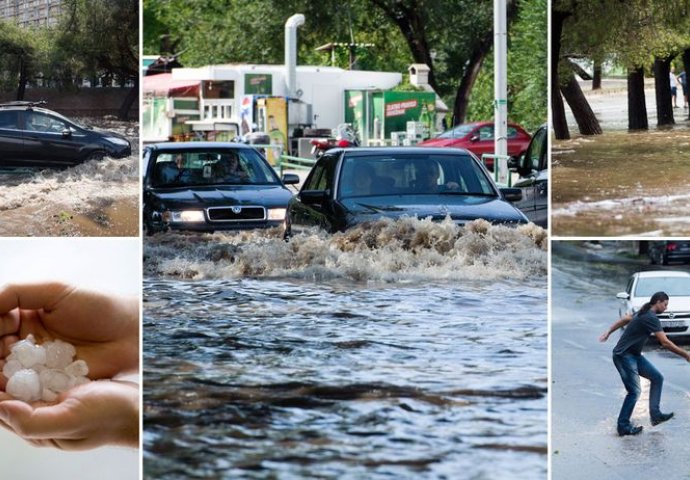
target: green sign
258 84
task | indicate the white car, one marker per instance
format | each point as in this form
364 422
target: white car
642 285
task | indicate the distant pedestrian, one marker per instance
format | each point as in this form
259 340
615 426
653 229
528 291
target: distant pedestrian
674 86
683 80
631 364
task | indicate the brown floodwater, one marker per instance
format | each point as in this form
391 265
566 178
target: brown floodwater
623 183
97 198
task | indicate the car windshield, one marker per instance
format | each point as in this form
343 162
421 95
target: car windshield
413 174
458 132
673 286
198 167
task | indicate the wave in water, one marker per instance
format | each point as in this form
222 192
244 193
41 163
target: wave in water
388 251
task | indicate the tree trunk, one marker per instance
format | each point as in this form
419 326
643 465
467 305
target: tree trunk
560 124
662 85
686 68
637 104
584 116
579 71
132 96
462 96
596 76
21 88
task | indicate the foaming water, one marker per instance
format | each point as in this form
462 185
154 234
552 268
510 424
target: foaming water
93 198
385 250
370 354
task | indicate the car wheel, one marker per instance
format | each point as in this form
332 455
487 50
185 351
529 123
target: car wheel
98 155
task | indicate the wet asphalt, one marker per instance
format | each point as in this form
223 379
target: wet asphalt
586 391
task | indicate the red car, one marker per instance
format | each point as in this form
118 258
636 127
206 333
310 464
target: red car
478 138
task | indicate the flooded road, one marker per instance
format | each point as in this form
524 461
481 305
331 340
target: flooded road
586 391
622 183
407 351
97 198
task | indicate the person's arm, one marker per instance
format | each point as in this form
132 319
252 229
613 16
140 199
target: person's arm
622 322
669 345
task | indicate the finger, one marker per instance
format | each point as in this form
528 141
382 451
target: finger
38 423
32 295
5 344
9 322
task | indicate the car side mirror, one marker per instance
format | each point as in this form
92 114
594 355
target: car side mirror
623 296
290 179
313 197
514 163
512 194
66 133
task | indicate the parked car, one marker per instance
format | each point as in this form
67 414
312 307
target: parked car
664 252
478 138
208 186
350 186
533 168
642 285
32 136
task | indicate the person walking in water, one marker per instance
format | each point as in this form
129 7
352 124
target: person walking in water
631 364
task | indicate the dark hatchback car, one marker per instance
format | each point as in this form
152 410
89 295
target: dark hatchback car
208 186
663 252
350 186
533 168
31 136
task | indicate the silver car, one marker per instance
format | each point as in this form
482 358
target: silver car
642 285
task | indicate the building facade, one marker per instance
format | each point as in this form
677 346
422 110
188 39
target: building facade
31 13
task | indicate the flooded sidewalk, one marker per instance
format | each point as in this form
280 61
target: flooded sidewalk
621 182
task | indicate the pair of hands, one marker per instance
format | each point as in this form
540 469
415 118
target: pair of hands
105 332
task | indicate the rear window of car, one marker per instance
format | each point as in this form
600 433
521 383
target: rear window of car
197 167
673 286
412 174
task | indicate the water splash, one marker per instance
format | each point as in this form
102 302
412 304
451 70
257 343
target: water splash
385 250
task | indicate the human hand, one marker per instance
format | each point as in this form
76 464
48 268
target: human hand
604 337
99 413
104 329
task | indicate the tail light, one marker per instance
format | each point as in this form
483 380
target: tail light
671 246
344 143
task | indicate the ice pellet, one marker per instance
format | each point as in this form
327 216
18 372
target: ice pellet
25 385
41 372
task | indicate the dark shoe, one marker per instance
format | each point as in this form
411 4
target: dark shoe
633 431
661 418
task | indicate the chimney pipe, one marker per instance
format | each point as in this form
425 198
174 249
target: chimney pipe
291 26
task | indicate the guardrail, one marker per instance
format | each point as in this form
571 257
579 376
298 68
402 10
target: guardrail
295 163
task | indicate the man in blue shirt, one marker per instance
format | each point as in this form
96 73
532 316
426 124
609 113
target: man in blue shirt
631 364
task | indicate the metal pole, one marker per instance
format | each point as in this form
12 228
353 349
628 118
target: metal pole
500 89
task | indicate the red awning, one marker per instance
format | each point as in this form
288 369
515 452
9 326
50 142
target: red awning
163 85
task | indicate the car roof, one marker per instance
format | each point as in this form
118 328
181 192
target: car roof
662 273
369 151
197 145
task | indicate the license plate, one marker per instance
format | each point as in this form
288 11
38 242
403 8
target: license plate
674 324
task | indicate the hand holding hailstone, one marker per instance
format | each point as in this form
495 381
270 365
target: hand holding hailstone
56 324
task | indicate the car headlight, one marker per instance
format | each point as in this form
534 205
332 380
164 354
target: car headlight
117 141
276 213
187 216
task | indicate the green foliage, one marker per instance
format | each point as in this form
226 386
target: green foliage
527 74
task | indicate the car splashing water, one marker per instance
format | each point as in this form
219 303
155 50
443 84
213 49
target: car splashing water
96 198
400 350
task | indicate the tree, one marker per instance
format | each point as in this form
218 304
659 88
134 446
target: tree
16 58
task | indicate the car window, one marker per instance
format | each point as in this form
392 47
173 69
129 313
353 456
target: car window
512 132
379 175
628 287
537 149
197 167
40 122
486 133
673 286
321 177
458 131
9 119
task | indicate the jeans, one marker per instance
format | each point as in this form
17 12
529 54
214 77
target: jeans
631 368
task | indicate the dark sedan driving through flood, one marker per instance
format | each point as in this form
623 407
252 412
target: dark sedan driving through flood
208 186
350 186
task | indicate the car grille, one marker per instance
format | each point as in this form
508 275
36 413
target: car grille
675 322
236 214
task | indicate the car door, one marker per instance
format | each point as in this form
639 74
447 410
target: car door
11 141
46 142
533 179
313 205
